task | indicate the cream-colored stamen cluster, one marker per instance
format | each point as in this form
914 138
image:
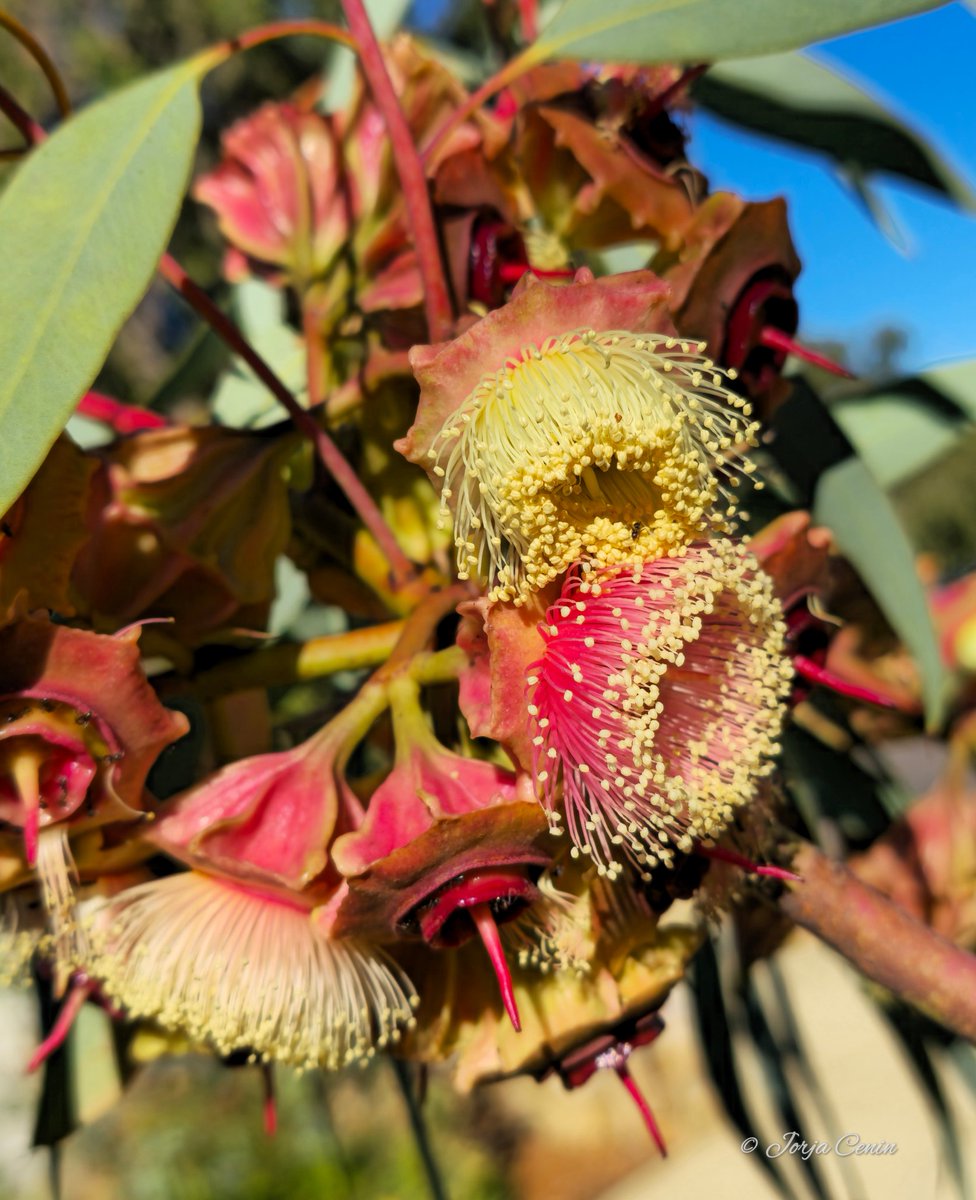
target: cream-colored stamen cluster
595 447
68 944
240 970
658 702
553 933
19 939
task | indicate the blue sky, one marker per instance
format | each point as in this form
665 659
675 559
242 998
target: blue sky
854 279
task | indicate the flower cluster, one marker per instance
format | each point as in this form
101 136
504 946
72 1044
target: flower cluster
580 669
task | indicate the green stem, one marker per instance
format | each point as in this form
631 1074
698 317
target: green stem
439 667
288 663
437 297
419 1129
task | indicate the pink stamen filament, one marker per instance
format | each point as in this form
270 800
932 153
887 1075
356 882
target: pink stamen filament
719 854
484 922
81 989
776 339
816 674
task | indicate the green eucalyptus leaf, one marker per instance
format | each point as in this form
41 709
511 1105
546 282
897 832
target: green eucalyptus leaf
850 502
692 31
83 223
902 427
808 103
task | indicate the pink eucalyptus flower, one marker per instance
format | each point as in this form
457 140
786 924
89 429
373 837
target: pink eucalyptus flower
447 848
237 952
657 702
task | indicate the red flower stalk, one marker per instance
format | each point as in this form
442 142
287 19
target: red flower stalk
657 702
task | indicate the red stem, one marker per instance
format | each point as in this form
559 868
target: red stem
19 117
485 924
329 453
437 297
41 57
529 17
883 941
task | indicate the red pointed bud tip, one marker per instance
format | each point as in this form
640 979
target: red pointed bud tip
657 704
782 343
575 442
475 904
437 820
42 533
484 920
814 672
612 1051
188 523
122 418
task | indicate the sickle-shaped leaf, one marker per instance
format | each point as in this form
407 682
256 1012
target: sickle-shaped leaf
810 104
904 427
691 31
83 223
